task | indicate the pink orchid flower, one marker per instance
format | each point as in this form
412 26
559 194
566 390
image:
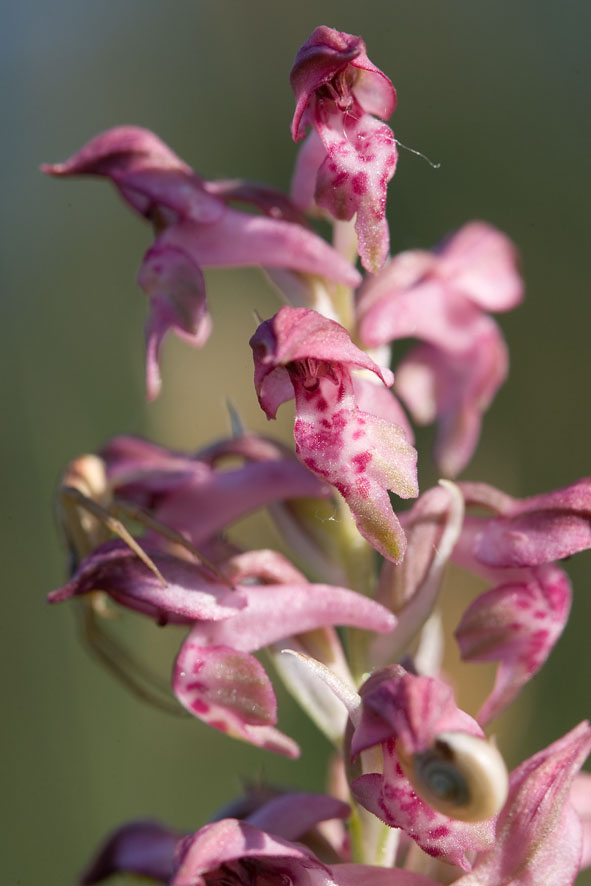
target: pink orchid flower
350 156
299 353
442 298
441 782
218 680
196 227
520 619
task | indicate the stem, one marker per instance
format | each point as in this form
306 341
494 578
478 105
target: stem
358 562
358 848
344 240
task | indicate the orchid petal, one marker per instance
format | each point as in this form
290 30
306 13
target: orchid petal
176 289
580 797
539 529
456 390
391 798
409 708
197 228
230 691
365 875
380 401
189 594
337 91
361 158
238 239
290 816
275 612
517 623
192 496
407 715
325 57
482 264
410 590
144 848
227 843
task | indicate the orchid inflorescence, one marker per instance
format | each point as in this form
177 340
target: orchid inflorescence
421 796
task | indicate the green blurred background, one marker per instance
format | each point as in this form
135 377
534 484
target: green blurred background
497 93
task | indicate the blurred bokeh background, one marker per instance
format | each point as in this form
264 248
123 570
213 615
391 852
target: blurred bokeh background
496 93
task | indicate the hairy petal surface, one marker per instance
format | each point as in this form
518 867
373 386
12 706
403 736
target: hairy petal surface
230 691
538 837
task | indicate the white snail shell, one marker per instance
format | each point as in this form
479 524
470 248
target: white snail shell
461 775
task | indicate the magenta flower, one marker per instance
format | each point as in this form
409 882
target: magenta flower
195 227
148 848
521 618
350 155
190 592
299 353
218 680
442 299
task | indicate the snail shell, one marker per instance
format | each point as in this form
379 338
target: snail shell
461 776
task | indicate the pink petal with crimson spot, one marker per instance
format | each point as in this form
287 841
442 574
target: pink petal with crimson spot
391 797
230 691
361 158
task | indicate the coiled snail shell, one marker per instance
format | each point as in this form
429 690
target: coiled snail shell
461 776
